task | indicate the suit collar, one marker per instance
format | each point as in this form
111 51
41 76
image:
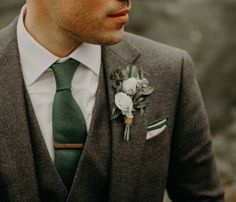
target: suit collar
124 50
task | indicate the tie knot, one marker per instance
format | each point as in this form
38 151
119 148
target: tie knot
64 72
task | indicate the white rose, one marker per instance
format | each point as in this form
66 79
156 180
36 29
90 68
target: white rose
124 103
130 86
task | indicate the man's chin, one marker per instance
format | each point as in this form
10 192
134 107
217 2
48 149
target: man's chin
112 41
110 38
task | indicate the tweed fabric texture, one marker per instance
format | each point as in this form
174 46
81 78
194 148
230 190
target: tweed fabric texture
179 159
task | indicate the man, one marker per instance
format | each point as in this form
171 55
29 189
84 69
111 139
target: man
86 38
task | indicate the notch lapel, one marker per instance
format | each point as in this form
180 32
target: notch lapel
17 171
126 155
91 182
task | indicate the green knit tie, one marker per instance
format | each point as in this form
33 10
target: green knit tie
69 127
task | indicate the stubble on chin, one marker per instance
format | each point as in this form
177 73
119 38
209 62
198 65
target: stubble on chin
107 38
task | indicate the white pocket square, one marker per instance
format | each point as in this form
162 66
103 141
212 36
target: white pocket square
156 127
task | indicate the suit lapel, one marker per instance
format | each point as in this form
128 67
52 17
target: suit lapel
91 182
126 156
17 171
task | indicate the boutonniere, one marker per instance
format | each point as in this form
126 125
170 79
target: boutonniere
131 89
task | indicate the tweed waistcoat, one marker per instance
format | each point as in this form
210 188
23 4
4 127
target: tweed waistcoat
89 178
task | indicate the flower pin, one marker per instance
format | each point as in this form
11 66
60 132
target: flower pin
131 89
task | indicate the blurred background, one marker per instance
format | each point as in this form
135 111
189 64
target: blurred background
206 29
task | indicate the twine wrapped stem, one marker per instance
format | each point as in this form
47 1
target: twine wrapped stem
128 124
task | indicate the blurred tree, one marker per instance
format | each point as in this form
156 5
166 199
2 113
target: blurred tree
8 10
206 28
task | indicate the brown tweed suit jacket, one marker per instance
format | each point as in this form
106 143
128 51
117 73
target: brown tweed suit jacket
179 159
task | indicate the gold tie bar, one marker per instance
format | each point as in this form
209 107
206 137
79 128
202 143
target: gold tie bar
68 146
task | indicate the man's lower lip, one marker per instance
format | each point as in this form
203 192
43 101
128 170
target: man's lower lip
120 19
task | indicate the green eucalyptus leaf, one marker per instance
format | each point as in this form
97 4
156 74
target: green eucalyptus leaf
141 105
140 99
119 88
114 85
123 72
117 76
128 69
128 72
141 73
134 72
115 113
113 76
141 111
135 104
137 95
125 75
147 91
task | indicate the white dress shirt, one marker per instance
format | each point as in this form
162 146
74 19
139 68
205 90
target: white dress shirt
40 82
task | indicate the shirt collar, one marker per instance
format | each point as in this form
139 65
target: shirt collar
35 59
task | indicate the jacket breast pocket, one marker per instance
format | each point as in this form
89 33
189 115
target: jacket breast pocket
156 127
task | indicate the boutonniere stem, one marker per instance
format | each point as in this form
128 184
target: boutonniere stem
128 124
131 89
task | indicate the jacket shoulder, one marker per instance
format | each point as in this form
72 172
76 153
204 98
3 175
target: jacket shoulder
163 56
7 35
147 46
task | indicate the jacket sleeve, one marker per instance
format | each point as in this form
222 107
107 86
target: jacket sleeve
192 172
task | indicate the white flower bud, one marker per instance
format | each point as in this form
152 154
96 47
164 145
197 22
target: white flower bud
142 83
124 103
130 86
